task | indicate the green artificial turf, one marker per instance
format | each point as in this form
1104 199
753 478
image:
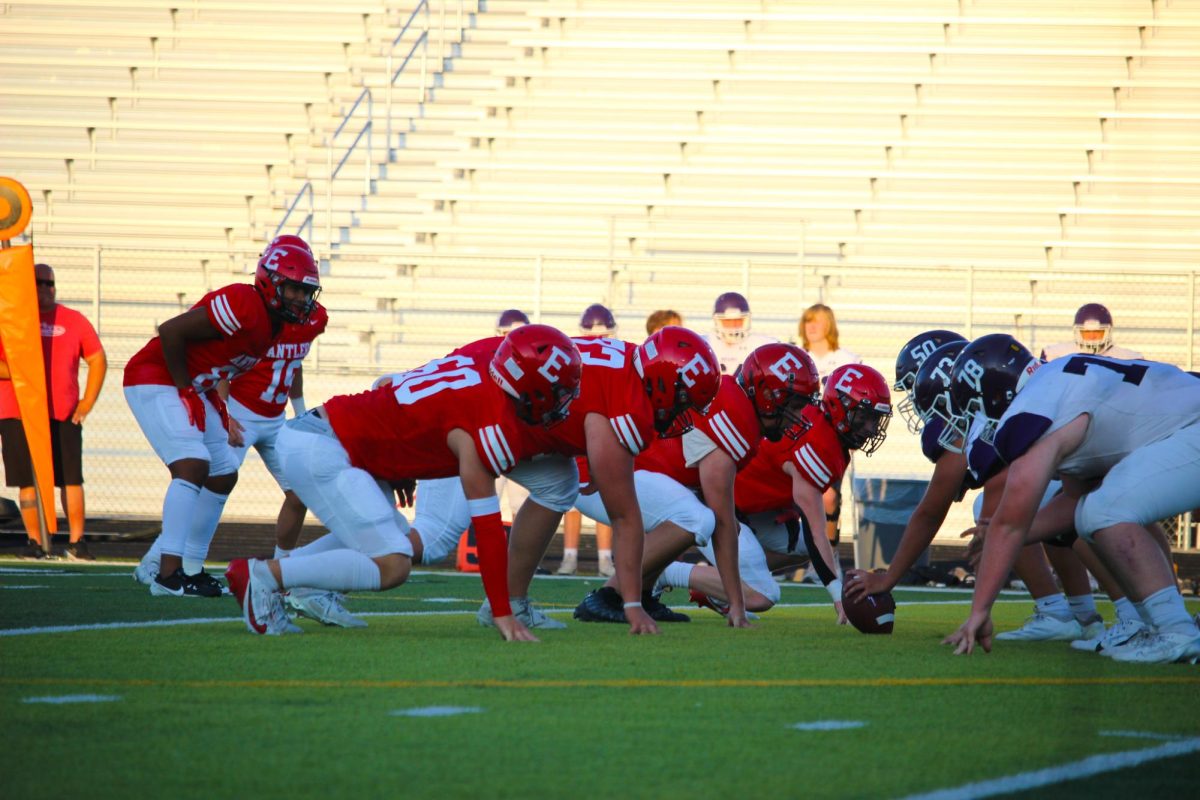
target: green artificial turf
700 711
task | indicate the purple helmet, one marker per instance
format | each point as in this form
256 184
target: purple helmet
512 318
1088 319
597 320
731 317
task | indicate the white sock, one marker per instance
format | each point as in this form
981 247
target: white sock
262 572
324 544
1145 617
281 553
570 554
337 570
1125 611
209 506
179 506
1083 606
1054 605
1167 612
604 555
677 574
154 554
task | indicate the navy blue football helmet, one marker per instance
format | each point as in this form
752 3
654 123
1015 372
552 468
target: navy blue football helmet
912 356
986 377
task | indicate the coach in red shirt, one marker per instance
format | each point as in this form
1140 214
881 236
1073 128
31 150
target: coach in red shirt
67 336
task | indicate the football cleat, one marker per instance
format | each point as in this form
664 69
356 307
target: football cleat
1120 633
602 605
1044 628
262 608
237 575
147 569
170 585
706 601
568 566
605 567
659 612
529 614
202 585
1093 628
1161 648
323 606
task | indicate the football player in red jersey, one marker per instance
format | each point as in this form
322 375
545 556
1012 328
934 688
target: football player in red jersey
685 485
628 394
257 401
170 385
779 493
466 415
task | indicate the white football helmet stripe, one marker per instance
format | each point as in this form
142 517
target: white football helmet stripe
812 464
227 321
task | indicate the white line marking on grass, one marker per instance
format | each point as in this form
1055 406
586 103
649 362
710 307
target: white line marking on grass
436 711
26 586
16 571
445 600
1162 737
167 623
1085 768
829 725
74 698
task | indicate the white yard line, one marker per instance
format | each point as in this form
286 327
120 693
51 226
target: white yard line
169 623
1084 768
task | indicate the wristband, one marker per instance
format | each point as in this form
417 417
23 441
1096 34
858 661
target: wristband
298 406
834 587
482 506
638 604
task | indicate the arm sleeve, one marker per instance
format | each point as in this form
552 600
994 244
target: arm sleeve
492 547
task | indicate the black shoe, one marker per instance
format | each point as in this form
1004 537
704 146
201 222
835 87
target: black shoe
32 550
169 585
78 551
659 612
202 585
602 605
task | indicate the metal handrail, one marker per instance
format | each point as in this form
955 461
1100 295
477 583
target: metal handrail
423 39
308 220
332 172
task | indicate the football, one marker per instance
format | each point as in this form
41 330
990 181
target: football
876 613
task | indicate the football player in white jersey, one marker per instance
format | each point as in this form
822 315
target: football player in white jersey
731 338
1093 329
1134 427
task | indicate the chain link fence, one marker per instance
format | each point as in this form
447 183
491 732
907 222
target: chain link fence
391 311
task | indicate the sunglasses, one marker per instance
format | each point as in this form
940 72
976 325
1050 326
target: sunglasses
41 282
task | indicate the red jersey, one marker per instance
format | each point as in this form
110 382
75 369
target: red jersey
399 430
66 336
239 314
818 454
730 423
609 387
265 389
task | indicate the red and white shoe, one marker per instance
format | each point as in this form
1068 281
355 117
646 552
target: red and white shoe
237 575
705 601
263 608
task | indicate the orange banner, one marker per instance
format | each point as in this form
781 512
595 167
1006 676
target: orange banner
21 333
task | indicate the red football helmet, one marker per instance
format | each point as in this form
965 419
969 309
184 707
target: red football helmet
540 368
858 403
780 379
291 240
680 372
282 264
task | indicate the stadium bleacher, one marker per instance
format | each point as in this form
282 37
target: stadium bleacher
971 165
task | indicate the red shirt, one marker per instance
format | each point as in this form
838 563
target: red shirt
239 314
66 337
730 423
265 388
398 431
609 387
818 454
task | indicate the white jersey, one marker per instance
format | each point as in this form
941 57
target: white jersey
731 356
1132 404
1053 351
830 361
